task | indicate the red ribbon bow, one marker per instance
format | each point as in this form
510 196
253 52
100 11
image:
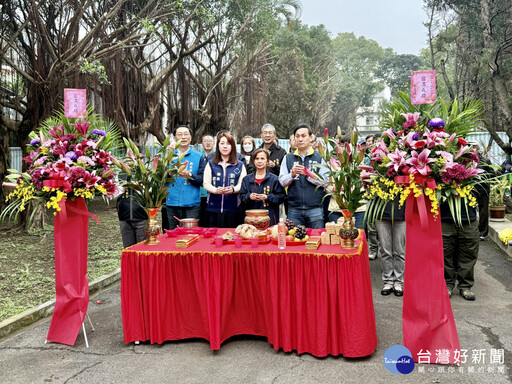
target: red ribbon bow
420 200
57 180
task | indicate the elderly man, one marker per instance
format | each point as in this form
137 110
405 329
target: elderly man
184 198
305 205
268 135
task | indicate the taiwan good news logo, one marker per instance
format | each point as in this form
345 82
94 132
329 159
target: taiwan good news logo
398 359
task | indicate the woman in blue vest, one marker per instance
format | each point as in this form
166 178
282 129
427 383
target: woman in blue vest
261 189
222 180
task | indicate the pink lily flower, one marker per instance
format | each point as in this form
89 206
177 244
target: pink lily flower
462 151
57 132
379 152
452 137
446 155
435 138
89 179
411 119
335 164
82 128
419 162
349 151
389 133
154 166
326 134
397 159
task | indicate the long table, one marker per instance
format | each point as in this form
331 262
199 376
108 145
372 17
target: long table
314 301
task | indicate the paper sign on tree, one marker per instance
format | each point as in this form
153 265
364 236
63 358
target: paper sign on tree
423 87
75 103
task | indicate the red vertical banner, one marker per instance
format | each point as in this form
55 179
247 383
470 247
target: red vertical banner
428 323
71 227
423 87
75 103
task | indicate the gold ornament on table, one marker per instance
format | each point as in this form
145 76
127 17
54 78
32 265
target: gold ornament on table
257 217
152 230
348 232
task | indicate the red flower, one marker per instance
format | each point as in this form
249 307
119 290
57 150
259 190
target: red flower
419 144
461 141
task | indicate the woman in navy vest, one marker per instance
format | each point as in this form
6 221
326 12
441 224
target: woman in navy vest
222 180
261 189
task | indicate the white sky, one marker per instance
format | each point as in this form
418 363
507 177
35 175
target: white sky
395 24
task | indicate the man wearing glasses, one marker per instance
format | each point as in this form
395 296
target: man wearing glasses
268 135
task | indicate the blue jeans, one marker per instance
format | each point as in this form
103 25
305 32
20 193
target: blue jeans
311 218
181 213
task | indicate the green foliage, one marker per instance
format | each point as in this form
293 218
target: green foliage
459 117
149 175
342 162
94 68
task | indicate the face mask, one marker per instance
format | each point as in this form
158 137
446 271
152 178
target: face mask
248 147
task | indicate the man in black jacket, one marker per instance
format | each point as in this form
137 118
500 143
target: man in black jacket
268 135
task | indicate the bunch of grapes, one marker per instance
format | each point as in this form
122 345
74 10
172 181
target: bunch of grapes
289 224
300 232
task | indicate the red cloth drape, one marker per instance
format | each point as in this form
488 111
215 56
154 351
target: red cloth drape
71 227
309 301
428 322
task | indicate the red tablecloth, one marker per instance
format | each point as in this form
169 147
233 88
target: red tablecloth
318 302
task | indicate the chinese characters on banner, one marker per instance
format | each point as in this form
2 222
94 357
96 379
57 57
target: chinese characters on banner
423 87
75 103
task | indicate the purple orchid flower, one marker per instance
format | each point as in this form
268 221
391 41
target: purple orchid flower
419 162
71 155
436 122
98 132
34 142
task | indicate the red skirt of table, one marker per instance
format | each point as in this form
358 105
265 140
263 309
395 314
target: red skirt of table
314 301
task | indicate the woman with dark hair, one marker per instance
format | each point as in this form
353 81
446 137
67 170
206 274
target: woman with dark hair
261 189
222 180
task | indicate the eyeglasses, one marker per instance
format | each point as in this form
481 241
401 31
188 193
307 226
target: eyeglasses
208 141
182 134
267 133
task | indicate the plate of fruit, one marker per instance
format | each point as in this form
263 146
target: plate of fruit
297 235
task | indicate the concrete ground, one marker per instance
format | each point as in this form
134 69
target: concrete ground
483 325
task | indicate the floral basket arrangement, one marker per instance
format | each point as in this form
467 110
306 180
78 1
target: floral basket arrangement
67 159
342 162
149 176
424 155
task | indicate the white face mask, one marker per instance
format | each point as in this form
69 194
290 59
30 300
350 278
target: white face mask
248 147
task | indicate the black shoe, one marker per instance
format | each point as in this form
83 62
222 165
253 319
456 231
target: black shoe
398 291
467 294
386 290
